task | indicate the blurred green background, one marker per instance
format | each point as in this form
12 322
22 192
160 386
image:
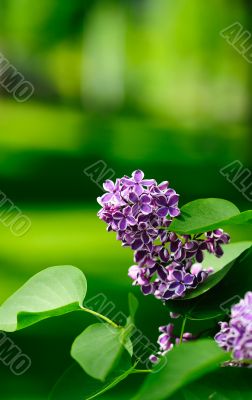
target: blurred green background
146 84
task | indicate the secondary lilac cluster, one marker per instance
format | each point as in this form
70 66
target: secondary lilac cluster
167 340
236 336
140 211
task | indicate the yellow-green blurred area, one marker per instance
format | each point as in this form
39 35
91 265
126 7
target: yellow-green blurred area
147 84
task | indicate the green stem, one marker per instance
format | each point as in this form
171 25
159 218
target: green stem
141 371
98 315
182 330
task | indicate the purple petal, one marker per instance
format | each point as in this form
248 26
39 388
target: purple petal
178 275
161 201
143 218
174 245
174 211
130 220
145 198
170 192
135 209
134 271
162 273
191 246
179 255
146 289
164 255
196 268
137 244
168 294
188 279
218 232
106 198
199 256
138 175
163 185
162 212
148 182
154 359
118 215
145 238
201 276
133 197
138 189
180 289
173 285
123 224
127 211
108 185
218 251
163 339
203 246
127 182
140 256
173 200
146 209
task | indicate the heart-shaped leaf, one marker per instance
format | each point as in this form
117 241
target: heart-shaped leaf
206 214
185 363
221 266
99 348
53 291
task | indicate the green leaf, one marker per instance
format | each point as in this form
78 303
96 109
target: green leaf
74 384
206 214
185 363
130 323
98 349
53 291
217 302
221 266
133 306
222 384
242 218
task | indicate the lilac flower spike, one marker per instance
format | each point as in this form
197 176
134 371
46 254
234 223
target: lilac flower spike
236 335
140 211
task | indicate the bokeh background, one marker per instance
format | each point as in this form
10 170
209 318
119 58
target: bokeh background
146 84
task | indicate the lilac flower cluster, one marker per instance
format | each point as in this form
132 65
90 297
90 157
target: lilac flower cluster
167 340
236 336
140 211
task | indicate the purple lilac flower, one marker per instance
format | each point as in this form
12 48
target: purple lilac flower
167 340
215 239
140 211
181 280
236 335
136 208
136 182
